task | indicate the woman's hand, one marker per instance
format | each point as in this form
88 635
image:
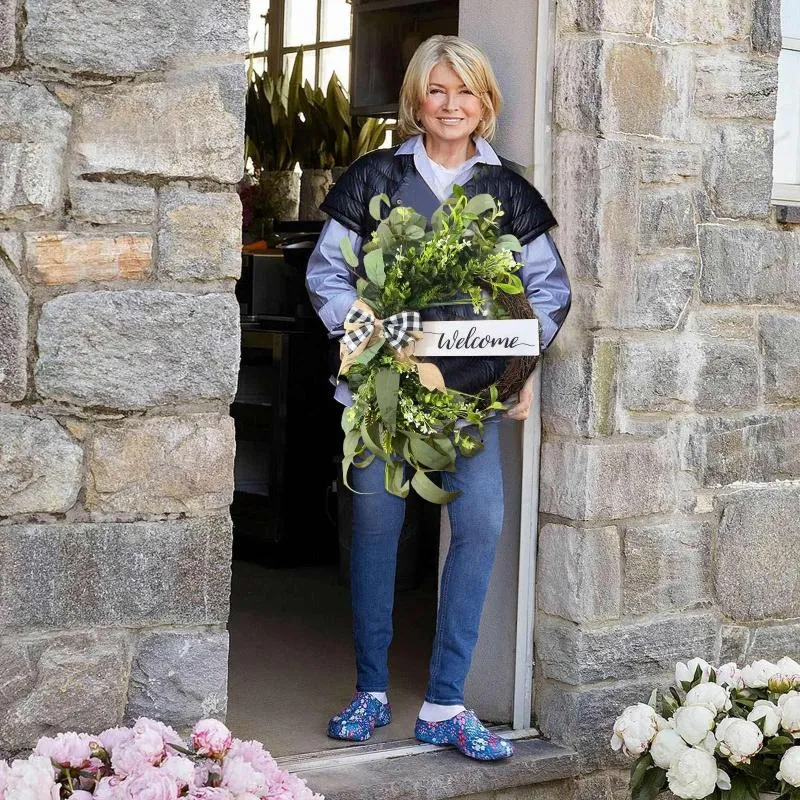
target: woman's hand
521 410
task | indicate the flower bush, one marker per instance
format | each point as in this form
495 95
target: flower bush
723 733
150 761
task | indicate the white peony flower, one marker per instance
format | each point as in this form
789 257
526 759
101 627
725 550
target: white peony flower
789 769
738 740
666 747
32 779
693 723
789 705
684 673
723 780
634 729
730 675
787 675
757 674
711 695
693 775
770 713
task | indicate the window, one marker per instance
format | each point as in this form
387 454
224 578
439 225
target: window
786 171
278 28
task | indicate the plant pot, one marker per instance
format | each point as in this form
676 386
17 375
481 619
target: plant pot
314 185
281 193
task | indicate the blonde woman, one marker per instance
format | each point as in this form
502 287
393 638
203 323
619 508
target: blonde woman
449 104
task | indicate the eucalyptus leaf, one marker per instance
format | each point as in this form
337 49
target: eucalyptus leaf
387 387
369 353
346 246
375 205
428 456
393 479
480 204
429 491
508 242
376 270
369 434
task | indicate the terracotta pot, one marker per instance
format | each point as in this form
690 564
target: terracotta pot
282 193
314 186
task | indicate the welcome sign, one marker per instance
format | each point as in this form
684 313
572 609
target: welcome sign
489 337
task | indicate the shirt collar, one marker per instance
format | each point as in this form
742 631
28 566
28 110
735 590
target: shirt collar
485 154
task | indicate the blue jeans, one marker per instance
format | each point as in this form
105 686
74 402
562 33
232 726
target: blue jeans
476 519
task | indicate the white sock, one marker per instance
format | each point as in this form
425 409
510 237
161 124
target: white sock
433 712
380 696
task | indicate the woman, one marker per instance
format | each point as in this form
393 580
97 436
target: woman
449 103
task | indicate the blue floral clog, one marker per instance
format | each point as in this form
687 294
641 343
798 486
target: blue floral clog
467 733
357 722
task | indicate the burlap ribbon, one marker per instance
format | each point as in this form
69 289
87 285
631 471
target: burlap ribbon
362 329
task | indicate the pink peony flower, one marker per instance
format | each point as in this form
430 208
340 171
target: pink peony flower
4 770
180 769
169 735
254 754
113 737
80 794
290 787
239 777
32 779
109 789
209 793
145 749
211 738
150 783
67 749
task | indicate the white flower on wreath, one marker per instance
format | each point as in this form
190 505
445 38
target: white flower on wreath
738 740
757 674
635 728
789 769
694 775
684 673
693 723
712 695
789 705
730 675
667 747
769 713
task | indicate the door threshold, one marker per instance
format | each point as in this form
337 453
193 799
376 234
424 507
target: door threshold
359 754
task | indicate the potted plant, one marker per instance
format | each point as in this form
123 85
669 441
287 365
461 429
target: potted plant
271 128
722 734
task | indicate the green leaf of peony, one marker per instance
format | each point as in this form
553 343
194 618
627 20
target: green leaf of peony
653 782
375 205
739 789
429 491
346 246
387 388
376 271
639 769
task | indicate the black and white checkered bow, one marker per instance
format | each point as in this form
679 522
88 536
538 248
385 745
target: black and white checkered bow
396 329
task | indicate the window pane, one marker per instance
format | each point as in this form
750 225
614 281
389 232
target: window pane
256 28
335 59
300 22
335 20
309 64
787 119
790 18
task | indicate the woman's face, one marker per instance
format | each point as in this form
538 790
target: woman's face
450 112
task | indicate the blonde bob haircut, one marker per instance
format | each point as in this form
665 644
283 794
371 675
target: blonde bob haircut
468 62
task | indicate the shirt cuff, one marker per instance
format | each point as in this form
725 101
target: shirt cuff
335 310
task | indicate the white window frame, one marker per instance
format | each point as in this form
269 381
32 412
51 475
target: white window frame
787 193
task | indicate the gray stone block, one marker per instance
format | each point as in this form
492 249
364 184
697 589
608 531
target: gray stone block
136 349
578 573
66 682
103 36
42 467
766 35
13 338
780 344
566 405
179 677
666 566
610 479
727 376
108 203
737 170
733 644
576 656
8 32
709 21
667 219
759 448
662 289
773 642
161 142
656 374
577 92
749 264
646 90
659 164
71 575
32 150
730 84
758 538
199 234
161 465
618 16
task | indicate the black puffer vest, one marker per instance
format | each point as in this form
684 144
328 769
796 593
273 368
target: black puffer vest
382 172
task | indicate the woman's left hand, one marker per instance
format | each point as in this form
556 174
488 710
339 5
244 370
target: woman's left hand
521 410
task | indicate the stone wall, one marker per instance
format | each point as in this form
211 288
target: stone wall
121 139
670 484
